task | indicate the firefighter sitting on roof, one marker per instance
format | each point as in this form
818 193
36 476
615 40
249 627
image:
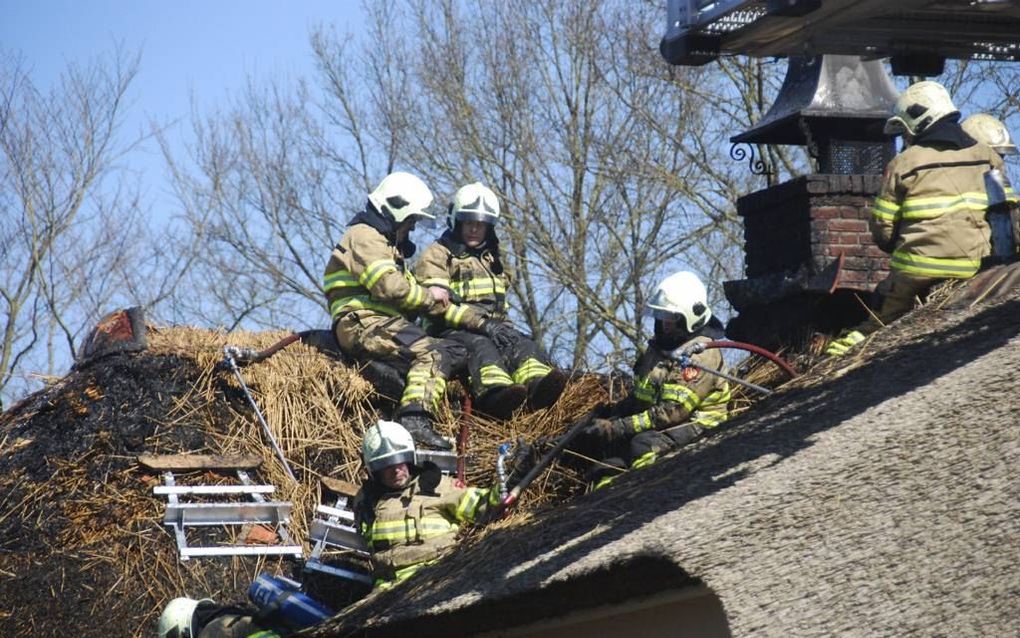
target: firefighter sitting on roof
506 367
409 513
930 212
670 405
372 299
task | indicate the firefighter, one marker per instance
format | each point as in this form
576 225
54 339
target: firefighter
930 212
670 405
190 618
990 131
507 368
409 513
373 299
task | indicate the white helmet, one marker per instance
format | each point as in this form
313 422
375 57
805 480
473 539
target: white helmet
682 295
387 443
918 107
176 619
402 195
474 202
990 131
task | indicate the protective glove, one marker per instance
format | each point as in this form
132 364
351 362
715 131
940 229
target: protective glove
607 430
525 457
839 347
428 477
500 333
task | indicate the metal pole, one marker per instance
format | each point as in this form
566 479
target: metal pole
687 363
229 358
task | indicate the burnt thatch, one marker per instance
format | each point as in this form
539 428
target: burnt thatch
874 496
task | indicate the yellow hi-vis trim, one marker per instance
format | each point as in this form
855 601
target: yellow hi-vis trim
493 375
884 209
402 574
340 279
375 271
360 302
641 421
934 266
454 315
931 207
679 393
530 369
479 288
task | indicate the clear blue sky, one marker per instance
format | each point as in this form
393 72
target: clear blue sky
204 48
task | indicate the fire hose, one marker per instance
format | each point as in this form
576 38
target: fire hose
684 358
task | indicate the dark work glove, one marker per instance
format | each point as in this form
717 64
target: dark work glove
525 457
428 477
606 430
500 333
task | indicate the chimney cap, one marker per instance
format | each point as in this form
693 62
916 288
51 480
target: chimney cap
835 92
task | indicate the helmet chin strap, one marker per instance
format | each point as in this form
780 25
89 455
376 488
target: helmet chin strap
670 340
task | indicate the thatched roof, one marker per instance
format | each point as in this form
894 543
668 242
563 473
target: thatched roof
82 543
875 496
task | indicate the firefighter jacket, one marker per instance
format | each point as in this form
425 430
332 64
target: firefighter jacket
406 529
475 276
366 272
930 212
667 394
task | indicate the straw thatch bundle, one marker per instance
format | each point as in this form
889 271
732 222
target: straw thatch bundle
81 526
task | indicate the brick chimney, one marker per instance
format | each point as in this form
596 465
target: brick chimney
810 260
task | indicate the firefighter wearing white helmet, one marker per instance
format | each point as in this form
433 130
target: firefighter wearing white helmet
409 513
921 105
506 367
929 214
374 299
177 619
190 618
991 131
670 405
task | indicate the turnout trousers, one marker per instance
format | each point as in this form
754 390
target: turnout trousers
429 361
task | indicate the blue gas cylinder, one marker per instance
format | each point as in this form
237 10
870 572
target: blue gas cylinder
280 600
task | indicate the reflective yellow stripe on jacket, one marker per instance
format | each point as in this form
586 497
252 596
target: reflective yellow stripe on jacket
712 410
479 288
384 533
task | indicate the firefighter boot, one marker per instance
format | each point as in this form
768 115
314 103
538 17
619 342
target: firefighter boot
418 426
543 392
605 472
501 402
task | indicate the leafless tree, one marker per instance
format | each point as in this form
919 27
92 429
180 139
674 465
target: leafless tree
613 166
69 237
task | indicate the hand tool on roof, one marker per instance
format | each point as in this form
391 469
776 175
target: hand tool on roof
230 356
561 443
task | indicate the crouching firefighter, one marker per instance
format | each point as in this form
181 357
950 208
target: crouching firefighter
670 405
410 513
507 368
372 299
931 212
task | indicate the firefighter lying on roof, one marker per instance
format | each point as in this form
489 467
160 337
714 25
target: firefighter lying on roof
670 405
507 368
373 301
408 513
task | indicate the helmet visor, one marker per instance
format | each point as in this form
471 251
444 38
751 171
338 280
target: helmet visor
404 456
475 216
